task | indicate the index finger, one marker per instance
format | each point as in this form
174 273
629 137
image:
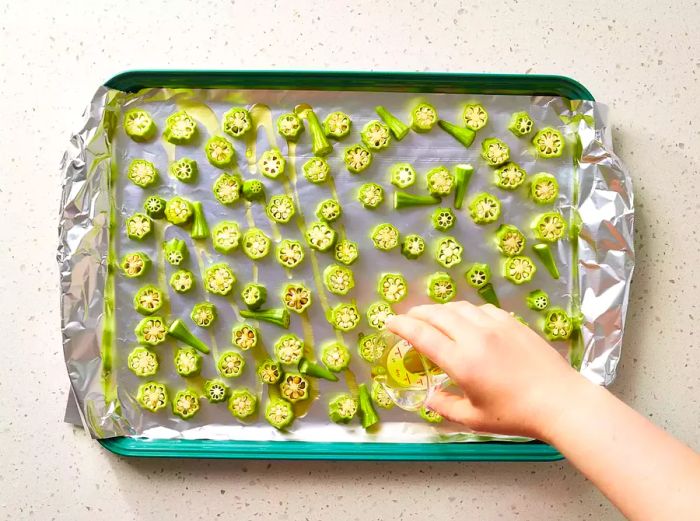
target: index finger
425 338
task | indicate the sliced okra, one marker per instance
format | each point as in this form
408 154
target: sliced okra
549 227
184 170
320 236
187 361
219 279
256 244
339 280
200 229
220 152
337 125
548 143
385 236
370 347
475 116
178 210
380 397
537 300
203 314
242 403
378 313
544 253
557 324
443 219
478 275
290 253
317 170
488 293
357 158
429 415
329 210
319 144
142 173
423 117
309 368
180 128
519 269
154 206
135 264
185 404
279 413
344 316
441 287
280 208
277 316
139 125
215 391
397 127
403 175
392 287
227 188
440 181
521 124
463 174
175 251
254 295
376 135
485 208
464 135
253 190
368 415
272 163
448 252
335 356
342 408
244 337
494 151
230 364
143 362
180 331
406 200
294 387
138 226
510 176
152 396
225 236
289 126
148 300
296 297
269 372
182 281
151 331
289 349
544 188
412 246
346 252
509 240
237 122
370 195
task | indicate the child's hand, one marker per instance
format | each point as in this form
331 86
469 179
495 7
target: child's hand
513 381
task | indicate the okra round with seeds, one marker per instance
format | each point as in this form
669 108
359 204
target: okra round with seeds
385 236
378 313
478 275
475 116
289 126
392 287
242 403
443 219
244 336
139 125
182 281
423 117
509 240
519 269
403 175
253 190
215 391
317 170
148 300
544 188
227 188
180 128
230 364
357 158
279 413
339 280
441 287
294 387
376 135
320 236
226 236
152 396
138 226
142 361
370 195
290 253
370 347
557 324
381 397
151 331
272 163
185 404
548 143
142 173
448 252
178 210
344 316
510 176
256 244
329 210
335 356
254 295
184 169
537 300
429 415
280 208
346 252
549 227
440 181
154 206
219 279
296 297
521 124
342 408
289 349
494 151
485 208
413 246
187 361
135 264
269 372
203 314
337 125
237 122
220 152
175 251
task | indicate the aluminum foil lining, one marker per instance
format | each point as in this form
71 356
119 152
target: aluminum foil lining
595 191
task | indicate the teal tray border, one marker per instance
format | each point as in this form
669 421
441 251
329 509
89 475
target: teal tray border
458 83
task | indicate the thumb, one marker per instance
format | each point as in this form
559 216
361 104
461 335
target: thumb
454 408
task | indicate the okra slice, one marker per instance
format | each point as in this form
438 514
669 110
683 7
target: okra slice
337 125
368 415
180 128
320 236
519 269
256 244
463 135
253 190
226 236
154 206
463 174
443 219
289 349
429 415
179 331
385 236
403 175
175 251
280 208
185 404
319 144
475 116
549 227
187 361
290 253
289 126
548 143
215 391
148 300
308 368
370 347
135 264
370 195
272 163
537 300
184 169
279 413
405 200
510 176
509 240
220 152
397 127
138 226
413 246
203 314
380 397
294 387
335 356
237 122
227 188
230 364
441 287
277 316
378 313
485 208
376 135
296 297
142 362
151 331
244 337
200 229
557 324
487 293
329 210
242 403
339 280
142 173
478 275
392 287
182 281
544 188
178 210
521 124
317 170
219 279
440 181
423 117
254 295
346 252
544 253
139 125
152 396
494 151
357 158
342 408
269 372
345 317
448 252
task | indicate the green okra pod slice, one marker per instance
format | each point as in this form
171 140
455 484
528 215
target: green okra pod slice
494 151
344 316
139 125
380 397
242 403
187 361
335 356
544 188
320 236
443 219
475 116
376 135
510 176
557 324
280 208
521 124
182 281
215 391
256 244
135 264
180 128
289 126
154 206
290 253
392 287
279 413
138 226
230 364
509 240
463 174
544 253
254 295
186 404
357 158
317 170
151 331
148 300
403 175
339 280
152 396
253 190
227 188
237 122
423 117
200 229
463 135
440 181
289 349
548 143
179 331
296 297
385 236
378 313
143 362
244 337
272 163
549 227
178 210
441 287
448 252
485 208
397 127
329 210
368 415
429 415
478 275
277 316
220 152
370 195
203 314
225 236
370 347
337 125
342 408
406 200
537 300
319 144
294 387
142 173
487 293
519 269
413 246
269 372
309 368
185 170
175 251
346 252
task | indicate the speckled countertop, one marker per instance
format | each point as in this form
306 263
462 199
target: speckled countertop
642 58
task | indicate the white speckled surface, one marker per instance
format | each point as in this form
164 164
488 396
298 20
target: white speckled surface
643 58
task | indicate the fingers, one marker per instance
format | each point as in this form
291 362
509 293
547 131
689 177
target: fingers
494 312
454 408
425 338
446 318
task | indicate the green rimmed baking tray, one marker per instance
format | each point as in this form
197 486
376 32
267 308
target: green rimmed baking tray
453 83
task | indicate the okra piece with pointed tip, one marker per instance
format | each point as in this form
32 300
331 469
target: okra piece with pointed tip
488 293
337 125
537 300
339 280
203 314
180 128
151 331
237 122
277 316
139 125
329 210
544 188
544 253
227 188
441 287
175 251
548 143
423 117
289 349
344 316
392 287
494 151
143 362
317 170
440 181
309 368
519 269
485 208
254 295
279 413
138 226
219 279
557 324
370 347
357 158
320 236
242 403
148 300
509 240
290 253
296 297
135 264
403 175
342 408
380 397
521 124
475 116
370 195
378 313
294 387
280 208
269 372
186 404
443 219
550 227
448 252
220 152
376 135
179 331
398 128
178 210
464 135
142 173
253 190
187 361
406 200
463 174
154 206
225 236
368 415
215 391
152 396
429 415
335 356
184 170
200 229
244 337
319 144
230 364
478 275
510 176
385 236
346 252
413 246
289 126
256 244
272 163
